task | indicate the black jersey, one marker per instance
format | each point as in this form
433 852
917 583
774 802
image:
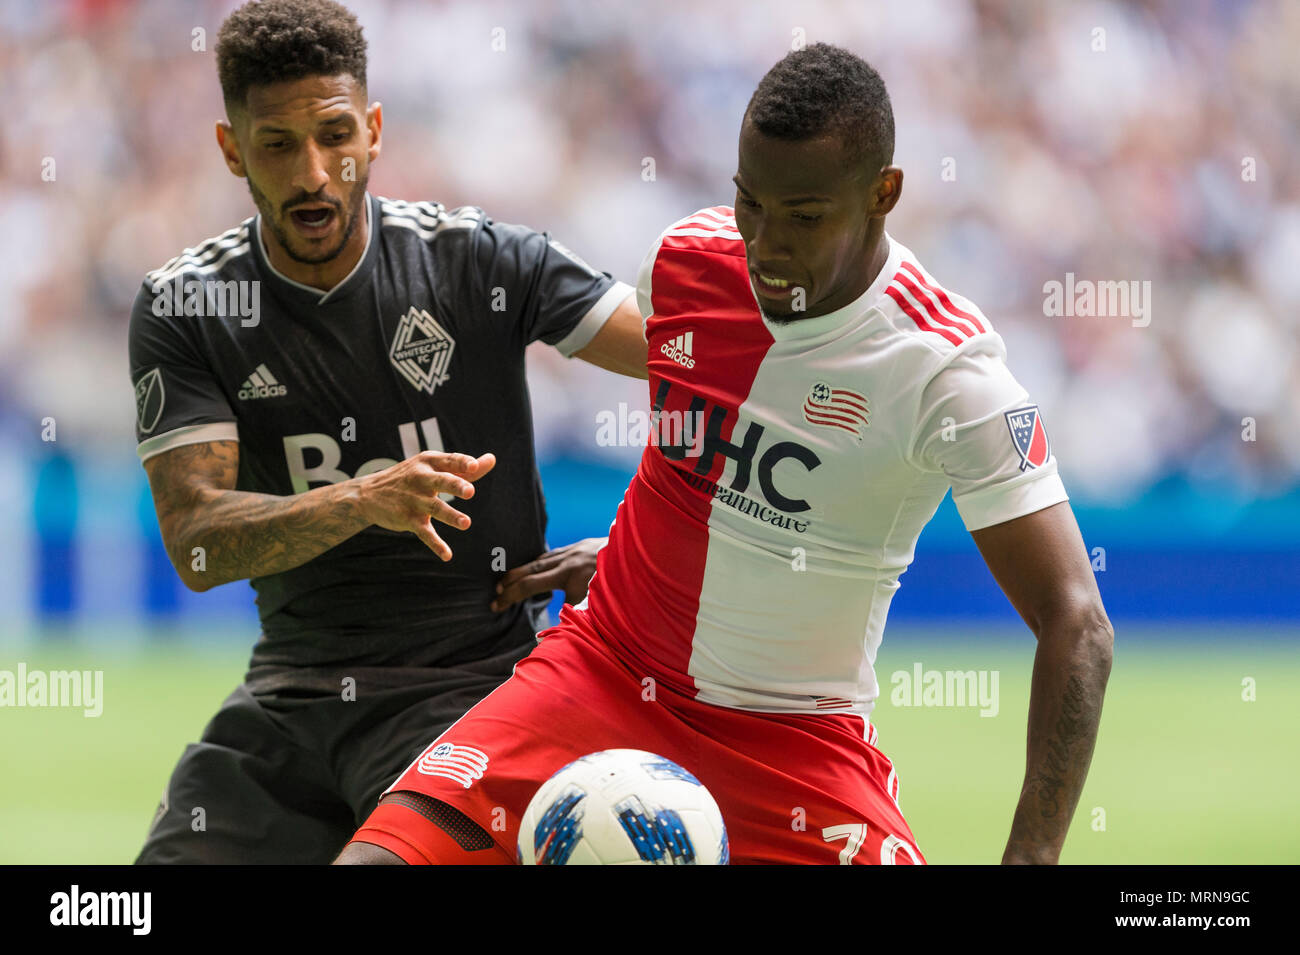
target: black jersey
421 347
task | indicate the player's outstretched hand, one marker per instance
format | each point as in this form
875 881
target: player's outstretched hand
566 568
404 497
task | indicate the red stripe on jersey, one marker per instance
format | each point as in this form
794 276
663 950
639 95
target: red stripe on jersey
720 237
694 228
721 214
704 222
836 424
849 398
645 596
822 412
932 309
845 408
718 219
943 297
898 295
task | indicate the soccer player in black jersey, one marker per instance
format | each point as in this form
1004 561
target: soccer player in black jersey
316 390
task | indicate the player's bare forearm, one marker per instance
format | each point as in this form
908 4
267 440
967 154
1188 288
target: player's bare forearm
216 534
1071 668
620 345
1041 564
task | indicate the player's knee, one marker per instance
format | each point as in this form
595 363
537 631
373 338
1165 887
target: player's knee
364 853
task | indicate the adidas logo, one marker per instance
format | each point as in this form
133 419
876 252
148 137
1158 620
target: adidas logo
261 384
679 349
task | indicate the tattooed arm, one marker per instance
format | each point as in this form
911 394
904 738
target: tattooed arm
243 534
1042 566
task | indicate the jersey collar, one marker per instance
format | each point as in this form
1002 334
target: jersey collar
351 282
845 314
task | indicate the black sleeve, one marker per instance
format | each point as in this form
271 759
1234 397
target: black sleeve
177 397
550 293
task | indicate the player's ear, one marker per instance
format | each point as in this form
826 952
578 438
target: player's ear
230 148
375 126
888 188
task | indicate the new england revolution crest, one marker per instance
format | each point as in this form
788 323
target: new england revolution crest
1029 437
830 407
421 350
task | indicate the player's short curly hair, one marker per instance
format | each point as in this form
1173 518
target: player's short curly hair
269 41
826 89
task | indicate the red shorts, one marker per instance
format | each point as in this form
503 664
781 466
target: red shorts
793 788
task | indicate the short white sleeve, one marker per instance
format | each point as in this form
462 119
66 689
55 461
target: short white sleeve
978 427
643 291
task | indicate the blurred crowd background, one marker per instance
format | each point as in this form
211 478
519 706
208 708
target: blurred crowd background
1148 141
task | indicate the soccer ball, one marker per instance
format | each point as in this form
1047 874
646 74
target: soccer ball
622 807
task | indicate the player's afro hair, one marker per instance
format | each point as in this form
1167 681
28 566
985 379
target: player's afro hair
275 40
826 89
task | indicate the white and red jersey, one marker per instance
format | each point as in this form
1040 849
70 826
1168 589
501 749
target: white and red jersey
753 565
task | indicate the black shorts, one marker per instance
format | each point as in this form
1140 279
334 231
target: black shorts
286 774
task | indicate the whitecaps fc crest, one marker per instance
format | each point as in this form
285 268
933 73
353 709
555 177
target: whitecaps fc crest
421 350
1029 437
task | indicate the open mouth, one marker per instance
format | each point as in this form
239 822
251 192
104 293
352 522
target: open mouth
312 220
772 287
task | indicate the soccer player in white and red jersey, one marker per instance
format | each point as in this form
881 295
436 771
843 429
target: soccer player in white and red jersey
733 622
